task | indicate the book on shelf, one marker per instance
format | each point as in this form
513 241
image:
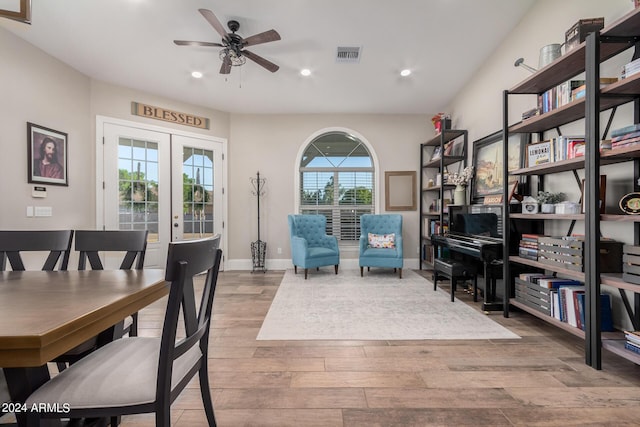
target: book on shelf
632 337
632 347
630 69
606 319
557 282
624 131
528 277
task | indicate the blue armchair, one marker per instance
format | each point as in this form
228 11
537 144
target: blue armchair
381 242
310 245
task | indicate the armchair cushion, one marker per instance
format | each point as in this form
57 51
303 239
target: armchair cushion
387 241
386 249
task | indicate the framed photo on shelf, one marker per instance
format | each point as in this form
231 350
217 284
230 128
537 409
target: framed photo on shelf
488 158
47 154
437 153
457 147
603 194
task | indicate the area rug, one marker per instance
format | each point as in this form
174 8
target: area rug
378 306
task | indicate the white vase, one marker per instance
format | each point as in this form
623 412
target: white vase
459 195
548 208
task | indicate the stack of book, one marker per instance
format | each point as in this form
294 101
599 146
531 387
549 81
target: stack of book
528 247
630 69
626 136
633 341
530 113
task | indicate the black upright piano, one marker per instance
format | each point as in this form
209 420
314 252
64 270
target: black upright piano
476 238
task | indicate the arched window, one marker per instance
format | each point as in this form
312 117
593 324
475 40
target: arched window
337 179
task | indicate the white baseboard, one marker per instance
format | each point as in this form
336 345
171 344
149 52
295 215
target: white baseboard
283 264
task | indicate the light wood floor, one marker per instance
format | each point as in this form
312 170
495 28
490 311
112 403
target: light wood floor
539 380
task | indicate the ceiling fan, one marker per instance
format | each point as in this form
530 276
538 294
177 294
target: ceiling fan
234 52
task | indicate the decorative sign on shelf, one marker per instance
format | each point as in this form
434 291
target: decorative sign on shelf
159 113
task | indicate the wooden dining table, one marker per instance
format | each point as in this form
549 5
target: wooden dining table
44 314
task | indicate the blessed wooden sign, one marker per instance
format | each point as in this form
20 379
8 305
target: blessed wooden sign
169 115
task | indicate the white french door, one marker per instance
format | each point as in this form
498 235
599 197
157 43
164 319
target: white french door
170 184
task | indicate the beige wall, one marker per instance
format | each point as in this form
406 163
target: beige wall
40 89
270 144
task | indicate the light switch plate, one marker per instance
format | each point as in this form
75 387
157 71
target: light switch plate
44 211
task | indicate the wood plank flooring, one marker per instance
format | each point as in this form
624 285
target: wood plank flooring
539 380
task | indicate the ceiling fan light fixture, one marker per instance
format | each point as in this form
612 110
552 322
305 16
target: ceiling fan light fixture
305 72
405 73
196 74
236 60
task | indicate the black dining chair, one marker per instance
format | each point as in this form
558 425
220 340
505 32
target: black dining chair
90 244
144 374
13 243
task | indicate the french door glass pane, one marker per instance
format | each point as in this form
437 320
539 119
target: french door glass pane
138 186
198 185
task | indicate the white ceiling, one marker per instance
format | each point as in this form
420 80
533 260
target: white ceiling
130 43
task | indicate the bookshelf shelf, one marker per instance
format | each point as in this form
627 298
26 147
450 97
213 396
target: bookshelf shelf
598 47
617 346
430 168
562 325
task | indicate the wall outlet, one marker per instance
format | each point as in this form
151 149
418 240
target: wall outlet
279 250
418 250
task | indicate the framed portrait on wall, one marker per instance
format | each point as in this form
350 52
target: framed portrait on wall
47 153
488 163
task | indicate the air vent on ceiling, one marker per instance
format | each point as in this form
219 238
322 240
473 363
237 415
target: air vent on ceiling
348 55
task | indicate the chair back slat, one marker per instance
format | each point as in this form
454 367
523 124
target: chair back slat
14 242
185 260
89 244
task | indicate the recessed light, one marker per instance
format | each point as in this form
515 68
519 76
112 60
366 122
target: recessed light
406 72
305 72
196 75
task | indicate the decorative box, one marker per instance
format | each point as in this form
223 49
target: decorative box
568 253
631 264
529 205
578 32
567 208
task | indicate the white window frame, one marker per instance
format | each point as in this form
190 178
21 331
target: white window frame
364 141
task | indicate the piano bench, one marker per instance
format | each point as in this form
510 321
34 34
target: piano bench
454 270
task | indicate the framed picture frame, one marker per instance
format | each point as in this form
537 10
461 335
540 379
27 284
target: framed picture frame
400 191
18 10
47 154
488 153
603 194
457 147
437 153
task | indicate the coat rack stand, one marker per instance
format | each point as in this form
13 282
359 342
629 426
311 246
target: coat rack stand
258 247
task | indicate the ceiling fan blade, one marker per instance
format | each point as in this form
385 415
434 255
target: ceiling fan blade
261 61
193 43
267 36
225 68
215 23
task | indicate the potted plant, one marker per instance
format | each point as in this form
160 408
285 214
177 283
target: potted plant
548 200
461 180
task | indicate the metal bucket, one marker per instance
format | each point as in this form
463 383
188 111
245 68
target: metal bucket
548 54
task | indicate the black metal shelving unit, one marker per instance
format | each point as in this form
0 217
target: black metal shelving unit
437 191
587 57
